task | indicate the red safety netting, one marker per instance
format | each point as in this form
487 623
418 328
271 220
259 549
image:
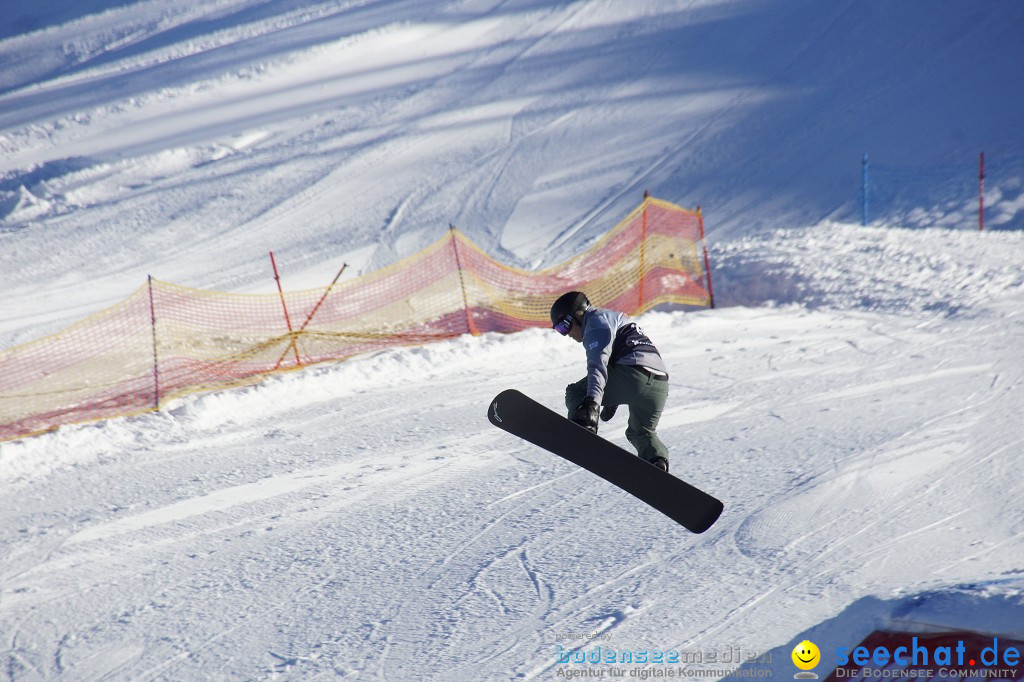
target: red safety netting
167 340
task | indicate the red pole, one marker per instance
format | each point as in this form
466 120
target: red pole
470 329
287 319
313 312
981 192
643 252
320 302
707 261
156 364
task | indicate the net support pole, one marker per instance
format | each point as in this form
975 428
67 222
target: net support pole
320 302
640 295
156 364
707 260
284 306
864 190
313 312
981 192
462 282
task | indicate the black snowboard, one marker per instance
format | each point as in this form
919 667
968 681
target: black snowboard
522 416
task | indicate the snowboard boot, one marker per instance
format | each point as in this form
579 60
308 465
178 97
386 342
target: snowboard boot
661 463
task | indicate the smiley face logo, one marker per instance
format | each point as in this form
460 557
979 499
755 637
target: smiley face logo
806 655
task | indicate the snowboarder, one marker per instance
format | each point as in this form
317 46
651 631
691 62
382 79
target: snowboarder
623 368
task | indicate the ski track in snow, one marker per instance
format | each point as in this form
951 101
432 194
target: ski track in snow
854 400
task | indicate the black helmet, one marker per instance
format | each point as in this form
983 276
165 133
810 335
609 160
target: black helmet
566 307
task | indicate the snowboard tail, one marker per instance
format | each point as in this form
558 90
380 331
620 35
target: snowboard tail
685 504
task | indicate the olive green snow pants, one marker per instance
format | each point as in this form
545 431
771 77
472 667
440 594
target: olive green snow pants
644 395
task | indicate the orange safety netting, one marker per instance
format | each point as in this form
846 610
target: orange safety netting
167 340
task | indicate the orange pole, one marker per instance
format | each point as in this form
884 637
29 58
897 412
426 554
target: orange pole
156 364
643 252
320 302
981 192
462 282
287 319
707 261
313 312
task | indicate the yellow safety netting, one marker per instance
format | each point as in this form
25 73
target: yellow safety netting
166 340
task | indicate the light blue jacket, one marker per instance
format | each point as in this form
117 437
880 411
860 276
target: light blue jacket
613 338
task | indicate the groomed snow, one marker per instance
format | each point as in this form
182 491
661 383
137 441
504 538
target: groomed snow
364 518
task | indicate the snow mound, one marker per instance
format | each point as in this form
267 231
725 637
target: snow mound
952 272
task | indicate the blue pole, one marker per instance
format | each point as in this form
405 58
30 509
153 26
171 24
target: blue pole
864 191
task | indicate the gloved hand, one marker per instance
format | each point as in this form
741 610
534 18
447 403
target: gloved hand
585 414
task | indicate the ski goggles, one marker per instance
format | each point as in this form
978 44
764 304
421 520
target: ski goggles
563 325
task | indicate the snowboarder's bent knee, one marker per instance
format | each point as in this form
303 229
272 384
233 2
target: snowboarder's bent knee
623 368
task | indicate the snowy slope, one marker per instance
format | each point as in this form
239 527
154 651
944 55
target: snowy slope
854 400
364 519
185 140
